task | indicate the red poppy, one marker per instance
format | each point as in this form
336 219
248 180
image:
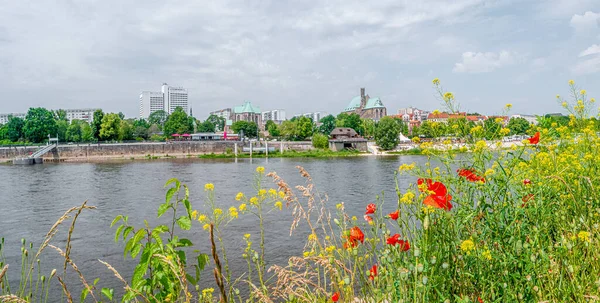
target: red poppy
439 198
373 272
368 219
394 215
535 139
335 297
371 208
395 239
479 300
470 175
526 182
526 199
356 234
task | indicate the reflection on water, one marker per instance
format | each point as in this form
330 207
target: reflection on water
32 198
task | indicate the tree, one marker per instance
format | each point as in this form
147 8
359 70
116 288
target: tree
387 133
518 126
60 114
250 129
178 123
97 123
61 130
272 128
126 130
14 128
158 118
304 128
327 124
73 133
39 123
491 128
218 122
3 132
320 141
110 127
287 129
351 121
87 134
369 127
206 127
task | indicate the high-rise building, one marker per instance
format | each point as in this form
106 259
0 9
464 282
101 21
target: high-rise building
84 114
276 115
168 99
4 117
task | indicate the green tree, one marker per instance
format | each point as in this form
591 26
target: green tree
97 123
178 123
327 124
387 133
87 134
158 118
126 130
250 129
60 114
39 123
14 128
491 129
320 141
460 127
518 126
206 127
351 121
304 128
110 127
61 130
273 129
369 127
73 133
3 132
218 122
287 129
141 129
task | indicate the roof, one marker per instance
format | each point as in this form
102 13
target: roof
344 131
374 103
354 104
247 108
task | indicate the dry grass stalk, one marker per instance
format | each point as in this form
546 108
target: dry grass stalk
257 293
178 273
74 266
3 272
71 229
126 287
218 270
11 299
300 285
65 290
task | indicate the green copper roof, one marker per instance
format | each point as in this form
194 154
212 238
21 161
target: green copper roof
374 103
354 104
246 108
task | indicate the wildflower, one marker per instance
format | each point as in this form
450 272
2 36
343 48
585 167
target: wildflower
202 218
439 198
243 207
395 240
339 206
593 100
564 104
584 236
335 297
504 131
206 226
209 186
498 120
278 204
526 199
260 170
247 236
272 192
436 81
526 182
448 96
557 96
369 219
467 246
194 214
582 92
436 112
508 106
354 218
169 257
207 292
312 237
239 196
486 254
262 192
571 82
407 198
479 300
254 201
217 212
405 166
356 235
470 175
535 139
371 208
233 212
394 215
373 272
281 195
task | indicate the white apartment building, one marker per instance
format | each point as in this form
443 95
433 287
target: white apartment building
84 114
223 113
4 117
276 115
168 99
530 118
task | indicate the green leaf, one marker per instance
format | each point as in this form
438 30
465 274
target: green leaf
108 293
158 239
202 261
139 235
160 229
182 257
188 207
126 232
184 243
118 232
138 273
170 192
117 218
191 279
136 250
96 281
177 183
163 208
84 292
187 192
184 223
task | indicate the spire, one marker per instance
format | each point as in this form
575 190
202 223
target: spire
191 114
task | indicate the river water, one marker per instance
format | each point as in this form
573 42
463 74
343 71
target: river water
32 198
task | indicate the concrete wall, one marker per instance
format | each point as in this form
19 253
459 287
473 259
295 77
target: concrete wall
89 151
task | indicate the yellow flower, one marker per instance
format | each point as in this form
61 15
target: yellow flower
488 172
202 218
416 139
278 204
233 212
467 246
564 104
260 170
312 237
557 96
339 206
583 92
262 192
169 257
486 254
408 197
207 292
504 131
330 249
592 100
243 207
254 201
239 196
448 96
281 195
217 212
428 209
272 192
508 106
206 226
354 218
436 81
209 186
405 166
584 236
247 236
436 112
194 214
498 120
571 82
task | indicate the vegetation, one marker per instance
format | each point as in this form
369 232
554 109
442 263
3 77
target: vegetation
249 129
320 141
387 134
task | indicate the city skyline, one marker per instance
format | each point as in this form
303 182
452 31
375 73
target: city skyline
301 57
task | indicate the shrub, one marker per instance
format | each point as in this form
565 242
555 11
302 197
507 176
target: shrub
320 141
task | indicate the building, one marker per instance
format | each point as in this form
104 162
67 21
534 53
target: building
344 138
276 115
223 113
247 112
85 114
530 118
168 99
366 107
4 117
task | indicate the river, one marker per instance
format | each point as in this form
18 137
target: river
32 198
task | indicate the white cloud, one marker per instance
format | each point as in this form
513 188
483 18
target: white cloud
484 62
589 66
586 23
592 50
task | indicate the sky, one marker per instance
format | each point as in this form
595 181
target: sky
300 56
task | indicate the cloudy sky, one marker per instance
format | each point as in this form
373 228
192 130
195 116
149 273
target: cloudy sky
300 56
